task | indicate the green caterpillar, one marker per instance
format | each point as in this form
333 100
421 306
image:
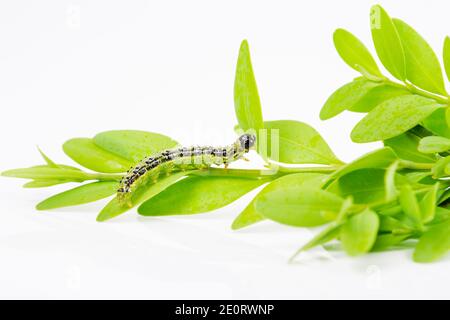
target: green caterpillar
178 159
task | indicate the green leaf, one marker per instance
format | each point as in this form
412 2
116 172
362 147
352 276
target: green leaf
331 232
434 144
387 42
345 209
47 160
422 65
44 183
196 194
386 241
381 158
246 98
250 216
410 205
359 233
83 194
393 117
415 177
247 217
437 123
389 224
366 186
297 143
144 192
428 204
133 145
446 56
346 97
85 152
377 95
406 147
433 244
299 206
44 172
59 166
441 215
354 52
440 169
389 182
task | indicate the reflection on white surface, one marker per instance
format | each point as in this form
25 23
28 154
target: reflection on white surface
66 254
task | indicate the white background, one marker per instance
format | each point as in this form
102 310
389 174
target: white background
75 68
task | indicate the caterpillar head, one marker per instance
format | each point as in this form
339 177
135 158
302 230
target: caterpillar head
247 141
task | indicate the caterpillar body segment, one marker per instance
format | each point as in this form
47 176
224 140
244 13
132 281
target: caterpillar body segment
151 168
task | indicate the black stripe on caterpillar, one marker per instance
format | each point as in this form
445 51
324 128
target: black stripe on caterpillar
178 159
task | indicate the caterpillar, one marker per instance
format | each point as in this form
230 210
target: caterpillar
178 159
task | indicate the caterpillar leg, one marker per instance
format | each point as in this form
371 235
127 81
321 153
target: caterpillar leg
169 168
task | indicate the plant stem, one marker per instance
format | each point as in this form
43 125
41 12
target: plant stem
405 164
413 89
324 169
275 172
426 94
243 173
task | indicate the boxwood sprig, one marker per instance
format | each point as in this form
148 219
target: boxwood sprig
393 197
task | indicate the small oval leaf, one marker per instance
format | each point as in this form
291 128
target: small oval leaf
434 144
250 216
410 205
133 145
439 169
387 42
45 173
196 194
393 117
359 233
299 206
297 143
83 194
422 65
354 52
434 243
86 153
44 183
346 97
246 97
